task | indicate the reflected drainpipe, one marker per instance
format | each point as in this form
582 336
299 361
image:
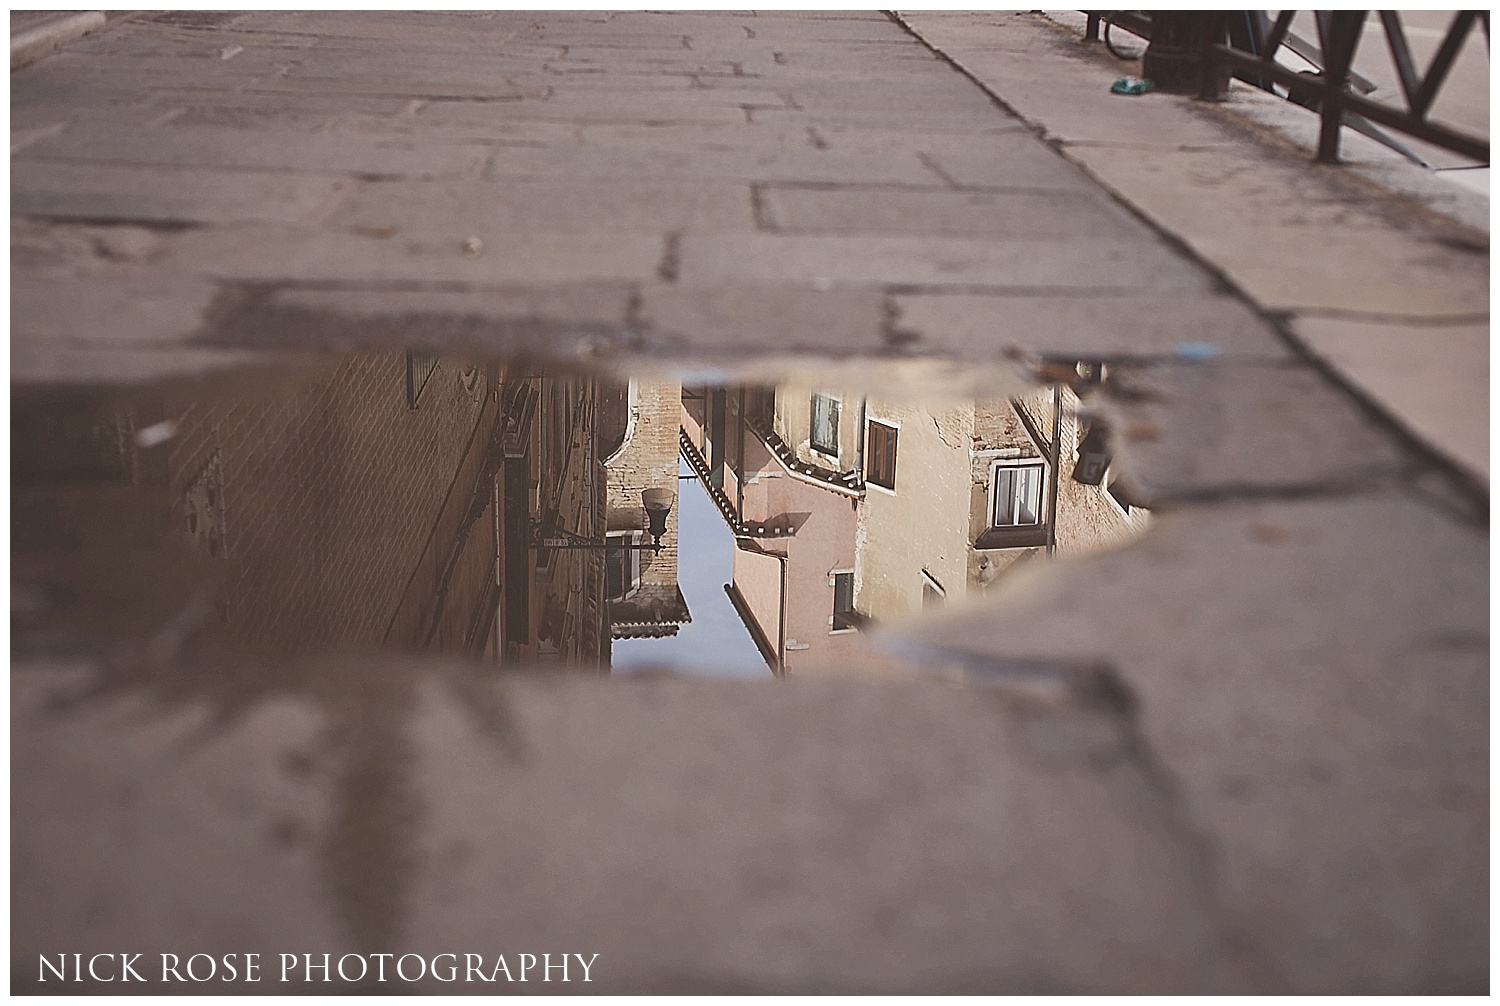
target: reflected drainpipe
739 472
1052 470
859 442
781 627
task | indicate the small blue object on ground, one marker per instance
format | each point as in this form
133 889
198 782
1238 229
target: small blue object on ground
1130 85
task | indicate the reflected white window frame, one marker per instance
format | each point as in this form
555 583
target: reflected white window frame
834 629
827 448
631 559
1012 507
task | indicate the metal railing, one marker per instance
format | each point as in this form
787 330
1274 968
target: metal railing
1335 91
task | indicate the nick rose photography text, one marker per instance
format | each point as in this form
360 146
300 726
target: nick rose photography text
316 967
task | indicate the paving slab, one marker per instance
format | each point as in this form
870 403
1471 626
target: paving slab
1102 324
803 164
81 73
1036 215
964 831
584 108
882 260
976 120
147 35
1435 376
270 254
914 92
575 320
744 318
1020 161
555 204
189 99
180 145
120 312
1184 430
432 89
1290 243
1318 696
167 195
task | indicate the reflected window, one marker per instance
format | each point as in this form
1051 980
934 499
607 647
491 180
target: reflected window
880 463
622 565
825 424
843 601
932 591
1016 495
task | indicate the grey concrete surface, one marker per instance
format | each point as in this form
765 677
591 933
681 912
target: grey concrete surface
1314 678
526 814
263 160
1247 753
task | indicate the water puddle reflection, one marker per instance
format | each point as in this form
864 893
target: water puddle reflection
516 514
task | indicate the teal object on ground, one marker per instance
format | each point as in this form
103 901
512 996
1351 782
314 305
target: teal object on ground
1130 85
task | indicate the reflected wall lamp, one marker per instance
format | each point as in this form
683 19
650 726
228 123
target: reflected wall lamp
658 504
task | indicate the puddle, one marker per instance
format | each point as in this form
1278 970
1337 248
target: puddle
743 525
255 553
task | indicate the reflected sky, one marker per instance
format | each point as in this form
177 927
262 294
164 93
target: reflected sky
715 643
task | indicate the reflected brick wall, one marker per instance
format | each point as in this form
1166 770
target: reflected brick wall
330 494
648 460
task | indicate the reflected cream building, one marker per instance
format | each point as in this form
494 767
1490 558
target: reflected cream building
850 508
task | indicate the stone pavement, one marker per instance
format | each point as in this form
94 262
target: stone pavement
1393 300
1247 753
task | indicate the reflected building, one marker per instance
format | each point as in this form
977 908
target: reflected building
639 438
385 500
494 512
849 508
553 484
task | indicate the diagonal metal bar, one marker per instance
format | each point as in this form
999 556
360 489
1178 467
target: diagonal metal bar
1317 54
1278 33
1442 62
1396 118
1395 37
1322 21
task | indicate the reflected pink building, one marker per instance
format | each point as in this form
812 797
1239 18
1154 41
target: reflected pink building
849 509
